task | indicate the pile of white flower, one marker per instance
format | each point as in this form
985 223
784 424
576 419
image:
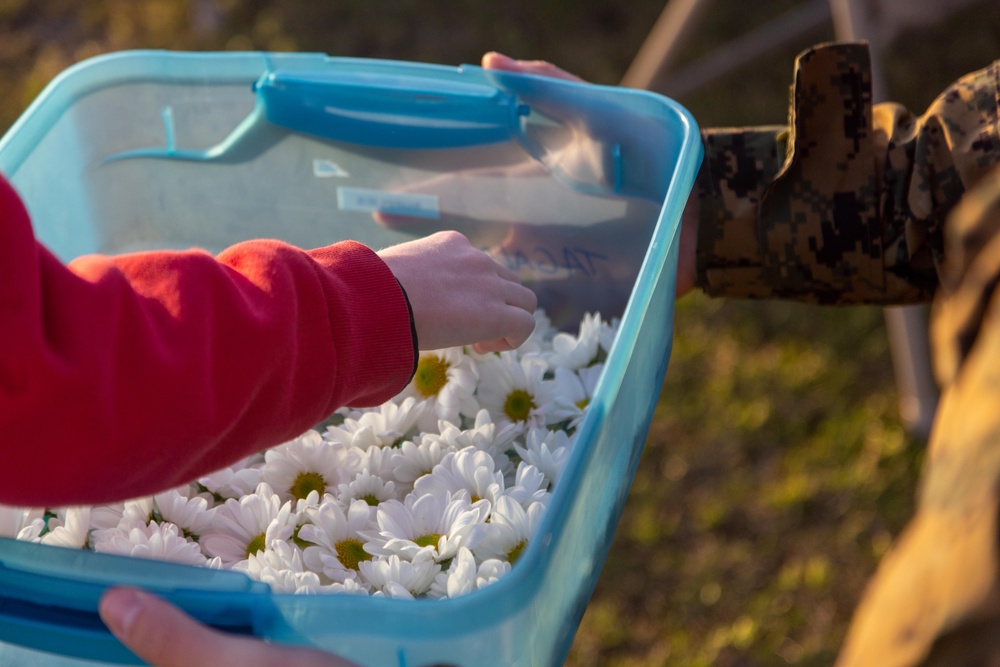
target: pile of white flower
433 494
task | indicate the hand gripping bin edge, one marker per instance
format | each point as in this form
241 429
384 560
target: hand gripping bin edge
161 149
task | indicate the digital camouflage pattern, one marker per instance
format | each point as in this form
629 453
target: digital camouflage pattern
877 205
855 212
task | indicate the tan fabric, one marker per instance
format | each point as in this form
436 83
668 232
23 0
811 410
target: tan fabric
936 598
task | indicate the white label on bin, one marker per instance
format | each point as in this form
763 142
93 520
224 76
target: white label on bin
328 169
390 203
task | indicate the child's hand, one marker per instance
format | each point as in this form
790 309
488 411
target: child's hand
461 295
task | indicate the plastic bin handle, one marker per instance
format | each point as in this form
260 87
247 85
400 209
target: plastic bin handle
49 597
72 632
389 110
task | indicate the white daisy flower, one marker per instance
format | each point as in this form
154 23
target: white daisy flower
573 352
137 511
309 463
470 471
394 577
278 580
384 426
491 571
484 435
246 526
435 525
104 517
112 522
302 519
529 486
415 459
70 527
368 488
312 500
515 390
158 541
607 335
192 515
546 450
21 523
445 381
458 579
379 462
337 548
574 389
236 481
505 466
349 587
280 566
510 529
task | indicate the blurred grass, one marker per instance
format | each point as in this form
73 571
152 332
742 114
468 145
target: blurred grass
775 475
776 472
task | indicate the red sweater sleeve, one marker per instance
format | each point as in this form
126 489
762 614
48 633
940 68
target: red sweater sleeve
121 376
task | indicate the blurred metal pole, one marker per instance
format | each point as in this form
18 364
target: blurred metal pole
777 32
851 22
906 326
659 50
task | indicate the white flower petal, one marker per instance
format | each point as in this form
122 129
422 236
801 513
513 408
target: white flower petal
22 523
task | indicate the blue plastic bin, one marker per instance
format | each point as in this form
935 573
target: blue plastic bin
577 188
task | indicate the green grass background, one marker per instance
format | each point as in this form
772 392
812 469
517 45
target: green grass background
776 472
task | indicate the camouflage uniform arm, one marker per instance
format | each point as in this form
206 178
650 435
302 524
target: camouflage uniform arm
846 204
866 209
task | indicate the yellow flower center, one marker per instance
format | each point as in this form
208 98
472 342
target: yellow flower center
429 540
257 545
583 403
371 500
518 405
306 482
431 375
515 553
350 552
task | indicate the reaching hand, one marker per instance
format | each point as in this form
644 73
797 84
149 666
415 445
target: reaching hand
461 295
686 265
164 636
494 60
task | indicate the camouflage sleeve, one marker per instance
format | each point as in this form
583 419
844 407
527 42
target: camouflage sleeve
847 203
